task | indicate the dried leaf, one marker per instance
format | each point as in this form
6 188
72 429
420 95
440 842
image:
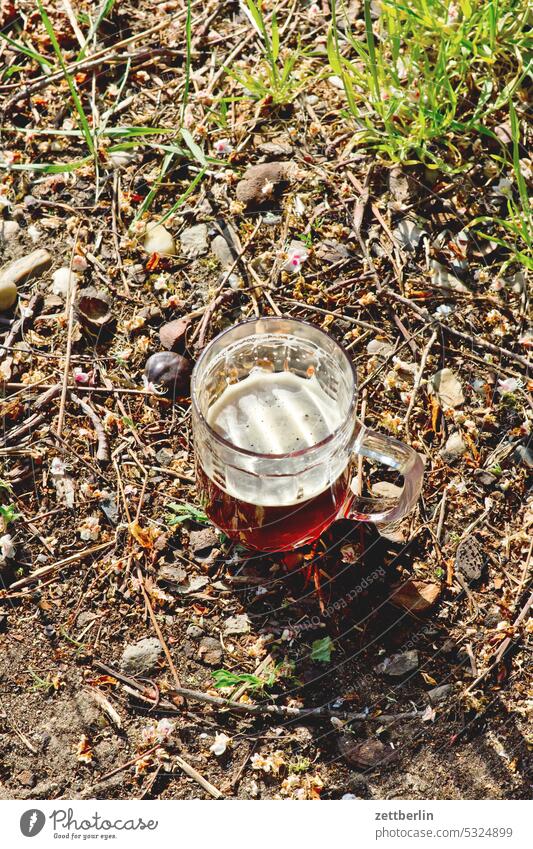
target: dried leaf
144 536
84 752
417 596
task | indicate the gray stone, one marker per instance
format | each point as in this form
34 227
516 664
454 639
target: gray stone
181 582
331 251
485 478
454 449
524 454
164 457
8 230
172 574
275 148
194 632
399 665
194 241
271 219
122 158
442 278
398 185
140 658
234 282
210 651
26 267
84 618
439 694
379 348
447 389
222 251
200 541
195 584
239 624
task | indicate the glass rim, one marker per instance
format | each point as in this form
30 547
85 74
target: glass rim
290 454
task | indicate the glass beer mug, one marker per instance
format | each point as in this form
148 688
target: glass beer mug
276 435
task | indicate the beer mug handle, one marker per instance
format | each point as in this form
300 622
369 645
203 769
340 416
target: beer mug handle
403 459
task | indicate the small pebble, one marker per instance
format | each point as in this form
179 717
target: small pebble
379 348
61 279
261 182
122 158
454 449
172 333
222 251
194 241
17 271
239 624
439 694
447 388
8 295
399 665
8 230
141 657
210 651
158 240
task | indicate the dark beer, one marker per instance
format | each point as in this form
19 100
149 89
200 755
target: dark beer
272 528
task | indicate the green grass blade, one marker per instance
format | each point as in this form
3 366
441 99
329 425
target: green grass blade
195 149
515 135
43 61
105 9
372 52
147 202
70 82
257 18
181 200
48 167
275 38
188 41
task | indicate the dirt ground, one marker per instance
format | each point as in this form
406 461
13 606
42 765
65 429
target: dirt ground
91 485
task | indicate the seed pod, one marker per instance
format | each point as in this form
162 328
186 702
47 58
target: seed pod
94 308
169 370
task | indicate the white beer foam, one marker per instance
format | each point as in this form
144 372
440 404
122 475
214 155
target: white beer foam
278 413
274 413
